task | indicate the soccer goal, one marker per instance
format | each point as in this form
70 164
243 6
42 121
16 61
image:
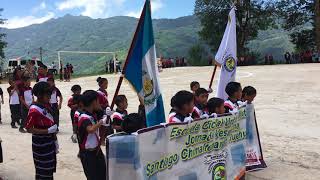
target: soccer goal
88 62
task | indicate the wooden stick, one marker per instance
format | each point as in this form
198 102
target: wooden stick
212 77
129 55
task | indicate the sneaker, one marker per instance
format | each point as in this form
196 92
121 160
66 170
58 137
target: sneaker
22 130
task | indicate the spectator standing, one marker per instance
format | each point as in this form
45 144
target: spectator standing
287 57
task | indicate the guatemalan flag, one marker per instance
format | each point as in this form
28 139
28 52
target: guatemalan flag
227 55
141 68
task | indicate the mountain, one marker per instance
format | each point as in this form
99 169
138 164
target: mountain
173 37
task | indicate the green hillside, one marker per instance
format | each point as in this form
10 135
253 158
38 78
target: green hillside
174 37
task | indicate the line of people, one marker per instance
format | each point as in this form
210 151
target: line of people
93 120
187 106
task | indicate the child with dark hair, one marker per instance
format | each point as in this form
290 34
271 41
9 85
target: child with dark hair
182 104
43 75
73 105
248 94
43 128
91 155
103 94
132 123
194 85
121 111
201 98
55 100
14 102
26 99
234 91
215 106
103 100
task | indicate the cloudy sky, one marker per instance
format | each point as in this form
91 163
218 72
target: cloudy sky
22 13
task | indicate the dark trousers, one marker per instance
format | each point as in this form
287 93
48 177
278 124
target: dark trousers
24 114
55 113
74 125
15 110
94 164
1 157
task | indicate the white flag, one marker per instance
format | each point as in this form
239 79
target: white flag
227 55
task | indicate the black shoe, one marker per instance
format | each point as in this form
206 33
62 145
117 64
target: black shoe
22 130
73 138
0 122
14 127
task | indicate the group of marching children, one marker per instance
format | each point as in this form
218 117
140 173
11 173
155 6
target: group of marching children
187 106
36 110
93 121
21 96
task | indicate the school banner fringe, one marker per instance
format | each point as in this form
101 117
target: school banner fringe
214 148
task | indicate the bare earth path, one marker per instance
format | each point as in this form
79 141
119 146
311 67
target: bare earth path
287 108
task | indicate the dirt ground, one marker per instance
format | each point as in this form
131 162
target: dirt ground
287 108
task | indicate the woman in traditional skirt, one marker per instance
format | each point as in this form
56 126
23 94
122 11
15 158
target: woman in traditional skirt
43 128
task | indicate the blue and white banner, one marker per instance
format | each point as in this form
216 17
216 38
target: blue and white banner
142 69
214 148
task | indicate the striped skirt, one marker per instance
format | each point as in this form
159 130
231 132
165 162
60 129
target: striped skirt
44 155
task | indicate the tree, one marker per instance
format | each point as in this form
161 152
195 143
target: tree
252 16
3 44
302 19
198 56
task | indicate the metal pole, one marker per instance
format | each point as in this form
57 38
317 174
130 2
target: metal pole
41 54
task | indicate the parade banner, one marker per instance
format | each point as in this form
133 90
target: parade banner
214 148
254 156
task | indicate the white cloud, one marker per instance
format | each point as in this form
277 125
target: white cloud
135 14
40 7
91 8
18 22
155 6
103 8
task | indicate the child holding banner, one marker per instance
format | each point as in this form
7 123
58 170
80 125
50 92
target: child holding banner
132 123
248 94
201 99
182 105
91 155
215 106
234 92
121 111
194 85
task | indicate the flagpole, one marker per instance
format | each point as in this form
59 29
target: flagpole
212 77
128 56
